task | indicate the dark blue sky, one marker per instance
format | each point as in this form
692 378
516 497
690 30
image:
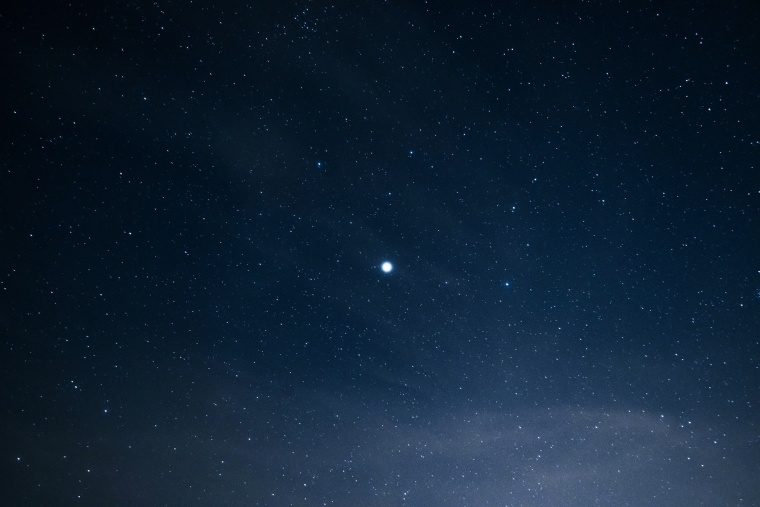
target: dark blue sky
197 199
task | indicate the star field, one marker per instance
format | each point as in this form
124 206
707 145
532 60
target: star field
308 253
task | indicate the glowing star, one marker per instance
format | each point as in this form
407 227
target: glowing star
387 267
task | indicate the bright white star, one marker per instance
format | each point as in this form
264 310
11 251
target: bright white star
387 267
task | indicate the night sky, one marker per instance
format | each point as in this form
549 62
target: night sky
197 200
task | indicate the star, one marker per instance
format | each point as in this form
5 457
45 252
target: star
387 267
